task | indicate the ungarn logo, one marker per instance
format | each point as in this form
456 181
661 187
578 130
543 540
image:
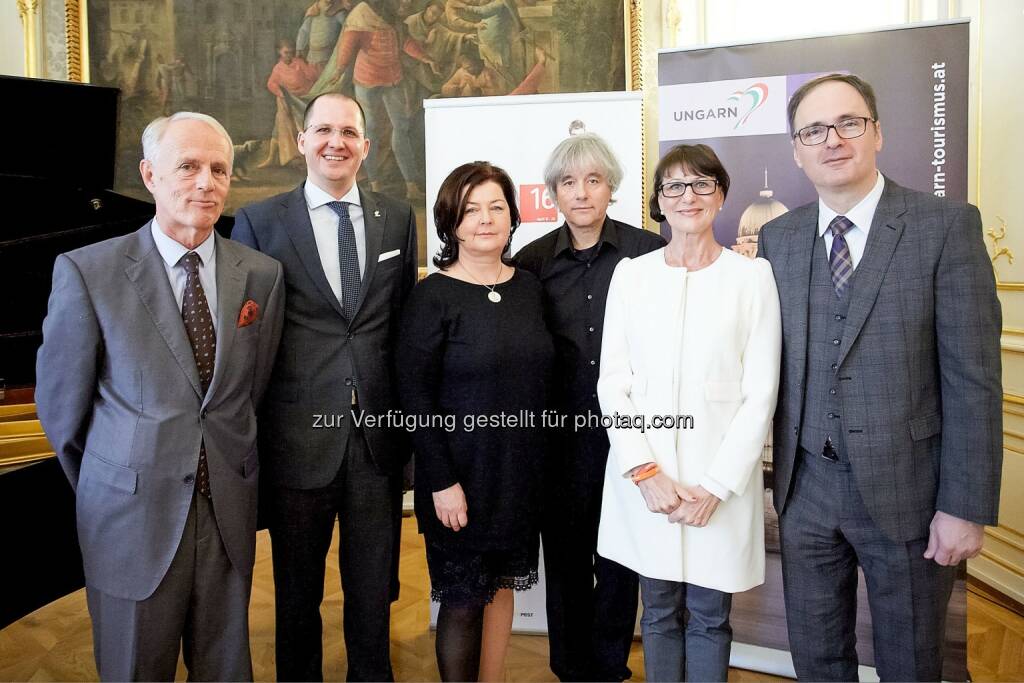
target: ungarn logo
752 98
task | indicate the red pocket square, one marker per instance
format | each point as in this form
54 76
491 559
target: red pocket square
250 311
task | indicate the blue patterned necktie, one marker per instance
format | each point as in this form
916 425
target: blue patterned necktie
839 259
195 313
348 260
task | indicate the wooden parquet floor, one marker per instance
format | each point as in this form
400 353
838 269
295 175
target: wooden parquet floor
55 642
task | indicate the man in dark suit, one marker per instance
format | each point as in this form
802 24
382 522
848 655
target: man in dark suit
888 430
157 348
349 261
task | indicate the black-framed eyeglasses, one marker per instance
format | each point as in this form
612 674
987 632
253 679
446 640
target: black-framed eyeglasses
847 129
677 188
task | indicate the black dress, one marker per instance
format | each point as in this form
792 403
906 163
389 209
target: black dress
475 376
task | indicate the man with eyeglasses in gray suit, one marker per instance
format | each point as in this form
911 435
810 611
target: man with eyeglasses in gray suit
888 430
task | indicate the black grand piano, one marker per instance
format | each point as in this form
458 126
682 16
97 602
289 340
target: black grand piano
56 172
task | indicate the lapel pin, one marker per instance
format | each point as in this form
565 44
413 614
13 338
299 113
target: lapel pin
376 214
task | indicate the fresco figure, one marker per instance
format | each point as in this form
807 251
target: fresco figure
320 30
373 45
292 75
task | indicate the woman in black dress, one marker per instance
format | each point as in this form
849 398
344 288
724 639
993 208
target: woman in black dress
474 363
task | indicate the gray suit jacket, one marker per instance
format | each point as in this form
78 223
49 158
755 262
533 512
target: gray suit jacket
919 361
305 421
119 397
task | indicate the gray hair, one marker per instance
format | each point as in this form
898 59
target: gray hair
586 150
154 133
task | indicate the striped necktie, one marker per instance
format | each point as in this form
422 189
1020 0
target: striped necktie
839 259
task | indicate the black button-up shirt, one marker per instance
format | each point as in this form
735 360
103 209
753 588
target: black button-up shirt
576 289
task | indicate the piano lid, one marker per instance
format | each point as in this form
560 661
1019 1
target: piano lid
57 166
60 131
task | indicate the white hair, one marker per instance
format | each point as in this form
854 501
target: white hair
154 133
579 152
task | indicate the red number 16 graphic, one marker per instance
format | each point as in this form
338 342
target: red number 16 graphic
535 205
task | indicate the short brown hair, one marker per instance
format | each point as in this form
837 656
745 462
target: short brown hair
309 109
855 82
694 158
450 206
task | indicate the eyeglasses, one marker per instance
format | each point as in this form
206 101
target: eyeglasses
677 188
847 129
323 131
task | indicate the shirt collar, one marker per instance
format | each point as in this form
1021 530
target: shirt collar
609 235
171 250
316 196
860 215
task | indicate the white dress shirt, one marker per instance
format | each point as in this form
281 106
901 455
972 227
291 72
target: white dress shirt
860 215
325 230
171 253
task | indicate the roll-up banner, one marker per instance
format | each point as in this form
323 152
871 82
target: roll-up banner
518 133
733 98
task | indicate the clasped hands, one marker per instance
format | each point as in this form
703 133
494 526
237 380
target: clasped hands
690 505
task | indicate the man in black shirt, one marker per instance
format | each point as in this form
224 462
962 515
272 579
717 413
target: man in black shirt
590 627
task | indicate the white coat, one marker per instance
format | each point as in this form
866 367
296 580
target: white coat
705 344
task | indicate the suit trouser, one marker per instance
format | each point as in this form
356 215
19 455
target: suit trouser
591 600
826 532
686 631
202 602
368 508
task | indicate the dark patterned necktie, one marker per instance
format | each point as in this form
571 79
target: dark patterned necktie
839 259
348 260
195 312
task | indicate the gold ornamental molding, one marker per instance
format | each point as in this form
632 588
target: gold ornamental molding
635 36
634 17
76 40
997 236
28 12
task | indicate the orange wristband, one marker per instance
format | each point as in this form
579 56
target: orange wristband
645 472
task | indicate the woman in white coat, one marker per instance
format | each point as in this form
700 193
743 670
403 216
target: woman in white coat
690 372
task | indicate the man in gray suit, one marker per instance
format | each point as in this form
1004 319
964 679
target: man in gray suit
349 261
888 430
157 348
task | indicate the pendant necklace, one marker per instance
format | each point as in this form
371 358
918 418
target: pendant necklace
492 296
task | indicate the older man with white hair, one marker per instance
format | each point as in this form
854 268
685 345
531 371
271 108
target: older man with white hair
157 348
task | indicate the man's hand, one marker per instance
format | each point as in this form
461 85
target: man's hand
699 511
450 507
661 493
951 539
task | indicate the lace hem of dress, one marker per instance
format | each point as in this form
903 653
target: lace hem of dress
461 594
